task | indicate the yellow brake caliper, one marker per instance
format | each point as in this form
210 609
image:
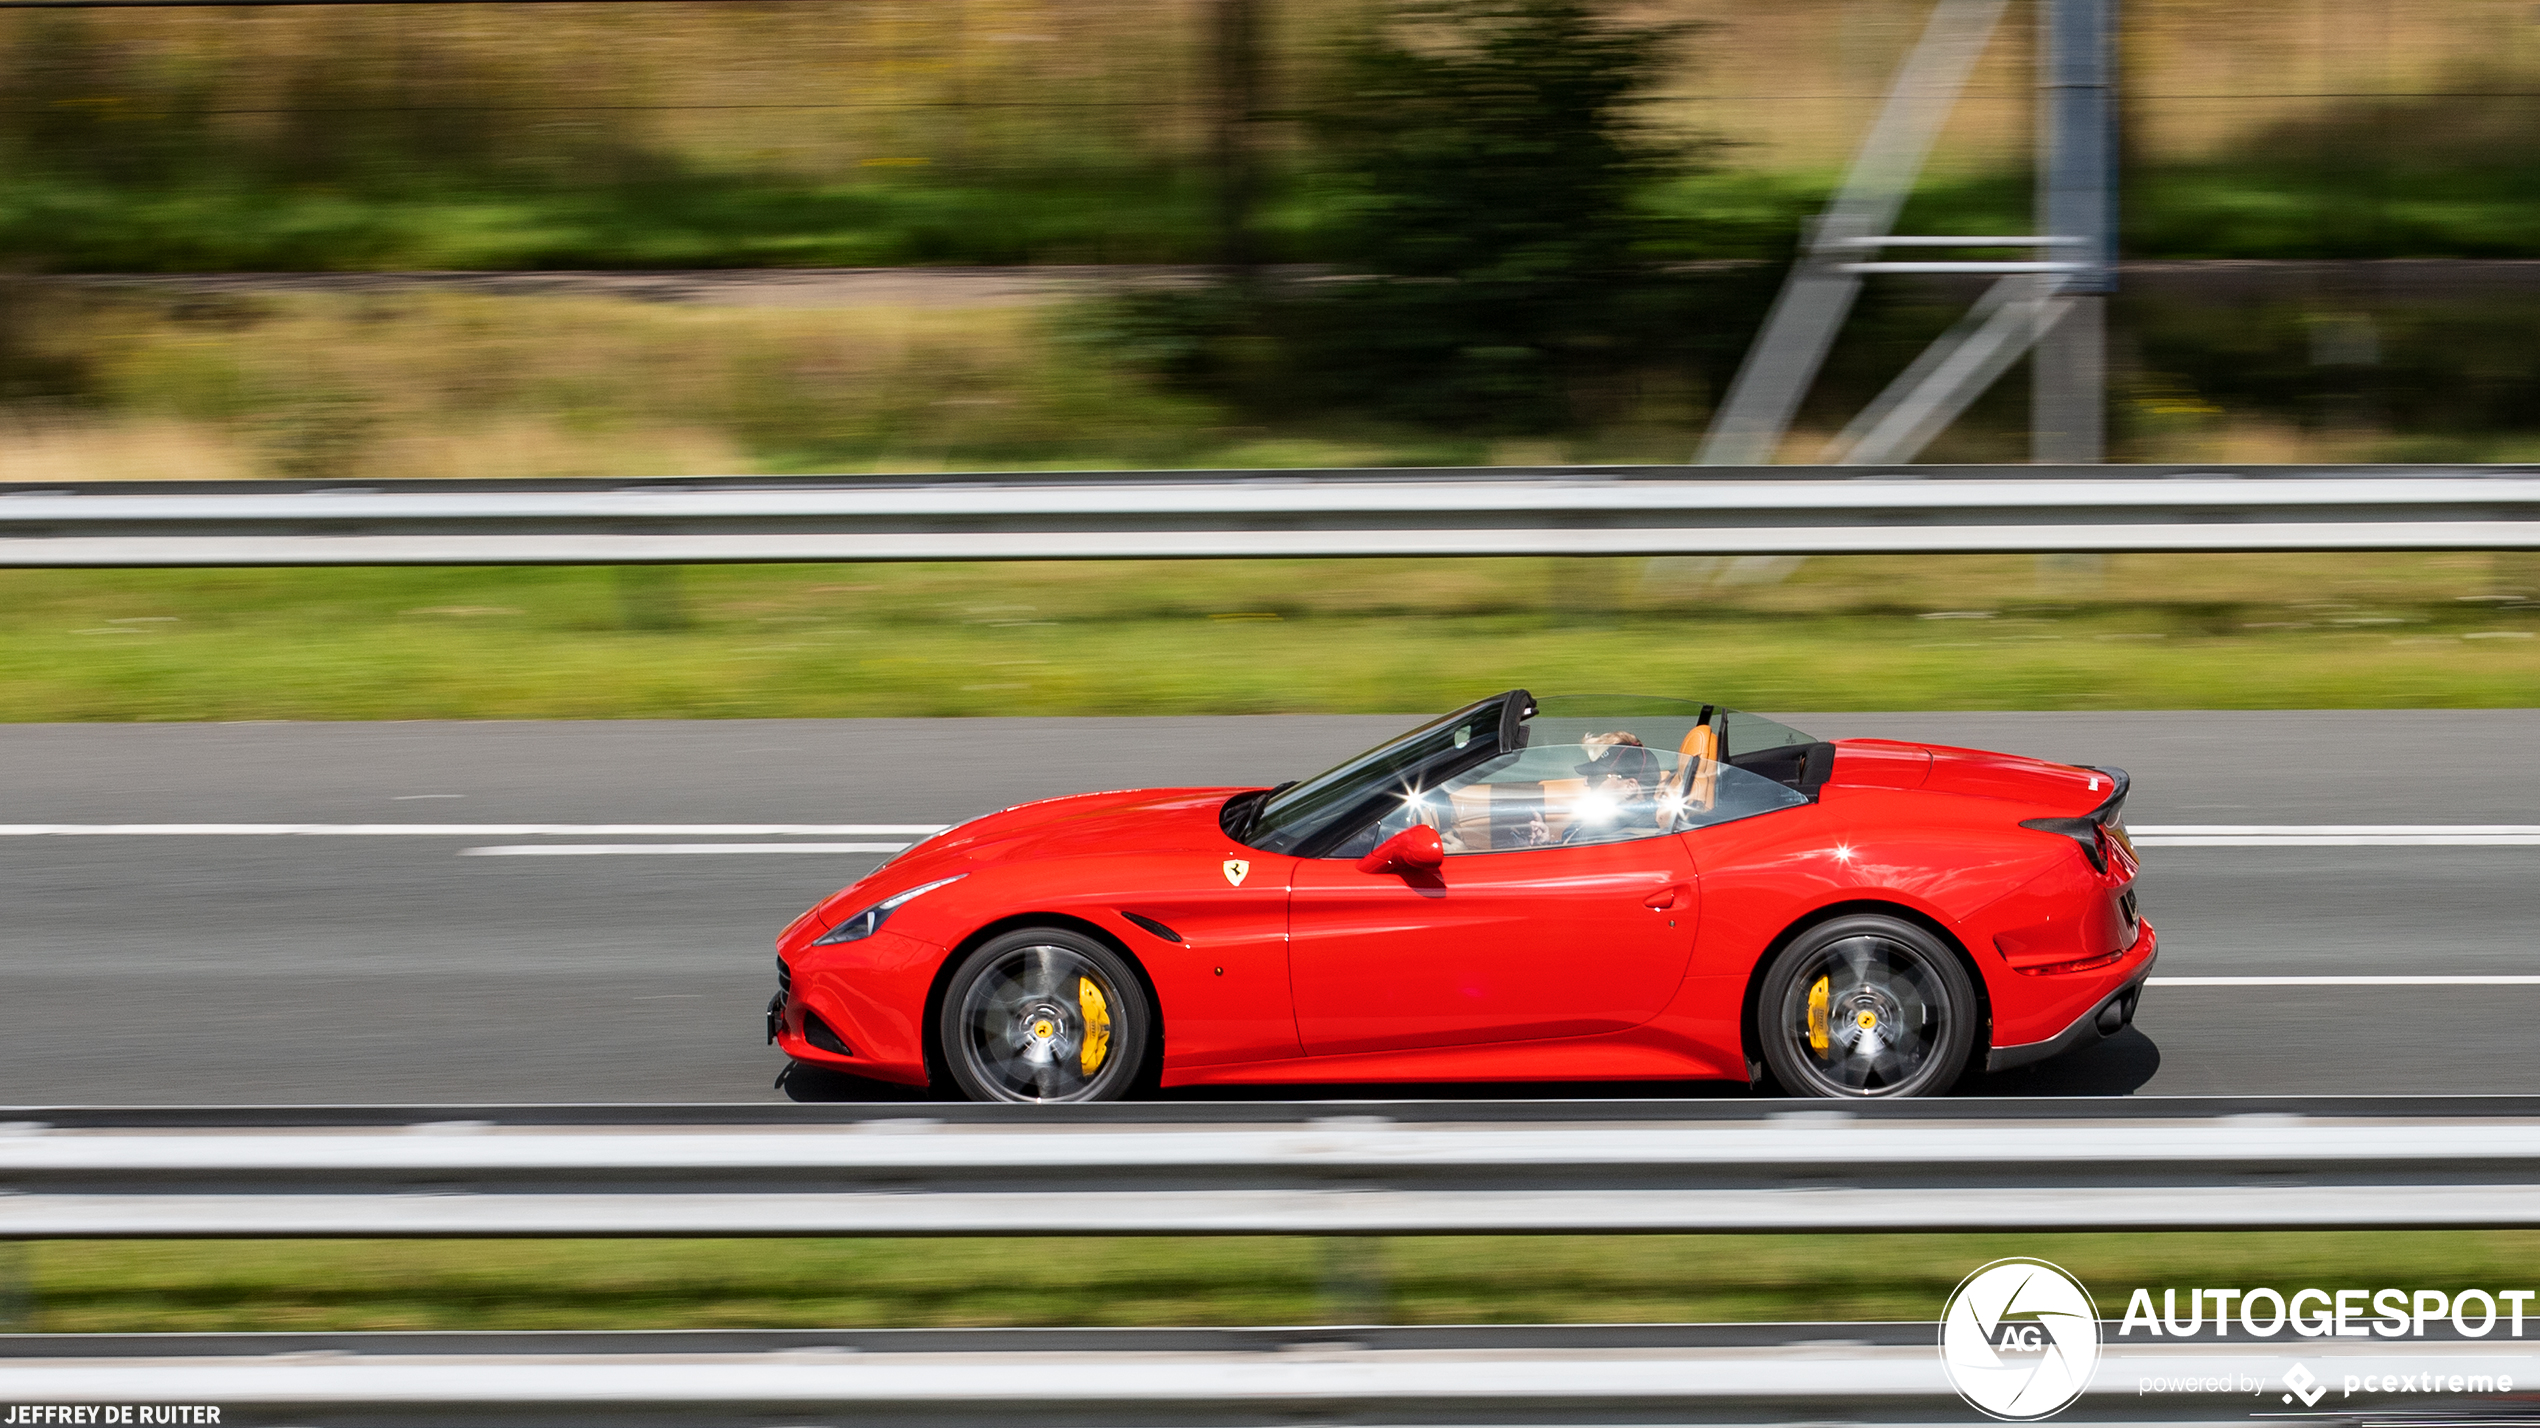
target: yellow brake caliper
1097 1043
1819 1024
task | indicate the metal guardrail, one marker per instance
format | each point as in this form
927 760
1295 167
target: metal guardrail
1349 1171
1867 1373
1066 1377
1467 512
1182 1167
1210 1109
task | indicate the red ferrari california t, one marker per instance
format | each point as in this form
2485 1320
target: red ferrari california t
1589 888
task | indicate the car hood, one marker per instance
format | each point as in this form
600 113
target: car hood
2057 789
1121 821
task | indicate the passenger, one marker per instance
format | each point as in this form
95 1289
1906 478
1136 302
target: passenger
1621 794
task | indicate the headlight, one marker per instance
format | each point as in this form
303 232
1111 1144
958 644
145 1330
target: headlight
864 924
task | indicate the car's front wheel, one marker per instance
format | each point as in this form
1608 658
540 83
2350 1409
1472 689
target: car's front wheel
1044 1014
1867 1005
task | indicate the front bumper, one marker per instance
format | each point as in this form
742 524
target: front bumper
2107 1016
856 1008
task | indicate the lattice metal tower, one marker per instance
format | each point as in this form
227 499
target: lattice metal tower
2050 303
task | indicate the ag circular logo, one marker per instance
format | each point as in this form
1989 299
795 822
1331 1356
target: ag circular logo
2020 1339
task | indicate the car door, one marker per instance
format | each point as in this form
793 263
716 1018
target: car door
1499 944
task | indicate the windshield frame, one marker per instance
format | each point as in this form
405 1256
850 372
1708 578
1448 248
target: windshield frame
1303 820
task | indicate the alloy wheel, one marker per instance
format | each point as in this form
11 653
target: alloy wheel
1043 1019
1868 1011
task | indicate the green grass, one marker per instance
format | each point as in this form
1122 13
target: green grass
2255 204
2266 202
1266 636
213 223
593 1284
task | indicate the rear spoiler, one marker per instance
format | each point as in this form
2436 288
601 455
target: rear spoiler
2112 811
2105 821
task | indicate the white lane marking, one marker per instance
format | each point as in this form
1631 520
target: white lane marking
2366 981
626 850
2337 835
463 830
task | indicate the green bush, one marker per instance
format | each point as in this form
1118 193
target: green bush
1486 177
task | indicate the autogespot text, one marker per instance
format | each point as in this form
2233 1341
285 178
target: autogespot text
2323 1313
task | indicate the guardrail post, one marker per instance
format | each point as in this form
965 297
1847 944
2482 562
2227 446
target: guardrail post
652 597
1353 1279
17 1287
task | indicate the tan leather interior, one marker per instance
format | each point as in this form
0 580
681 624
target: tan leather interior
1498 817
1495 817
1697 775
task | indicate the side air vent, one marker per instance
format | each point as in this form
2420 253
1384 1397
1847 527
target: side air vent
1151 925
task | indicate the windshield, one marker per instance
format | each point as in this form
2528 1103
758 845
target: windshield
1659 723
1562 770
1297 820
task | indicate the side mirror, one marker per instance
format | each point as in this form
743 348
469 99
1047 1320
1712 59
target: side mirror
1414 849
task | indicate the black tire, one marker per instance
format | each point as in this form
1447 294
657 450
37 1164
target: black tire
1043 1014
1867 1006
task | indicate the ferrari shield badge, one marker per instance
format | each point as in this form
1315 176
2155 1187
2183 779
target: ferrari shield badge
1235 870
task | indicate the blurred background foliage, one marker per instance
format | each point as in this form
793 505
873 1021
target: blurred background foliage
1275 232
1487 172
1095 131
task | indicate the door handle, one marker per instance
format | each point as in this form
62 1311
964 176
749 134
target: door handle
1665 898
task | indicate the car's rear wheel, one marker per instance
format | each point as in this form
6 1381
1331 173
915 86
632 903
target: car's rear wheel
1044 1014
1866 1006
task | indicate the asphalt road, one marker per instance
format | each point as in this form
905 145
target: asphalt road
239 969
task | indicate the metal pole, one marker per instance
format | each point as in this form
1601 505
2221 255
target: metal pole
2076 198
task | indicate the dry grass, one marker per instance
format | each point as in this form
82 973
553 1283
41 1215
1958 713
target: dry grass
1792 86
422 385
39 451
838 90
530 445
2215 73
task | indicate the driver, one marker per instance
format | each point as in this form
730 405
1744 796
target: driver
1622 791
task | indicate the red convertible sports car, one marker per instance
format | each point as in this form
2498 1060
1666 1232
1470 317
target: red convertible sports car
1592 888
